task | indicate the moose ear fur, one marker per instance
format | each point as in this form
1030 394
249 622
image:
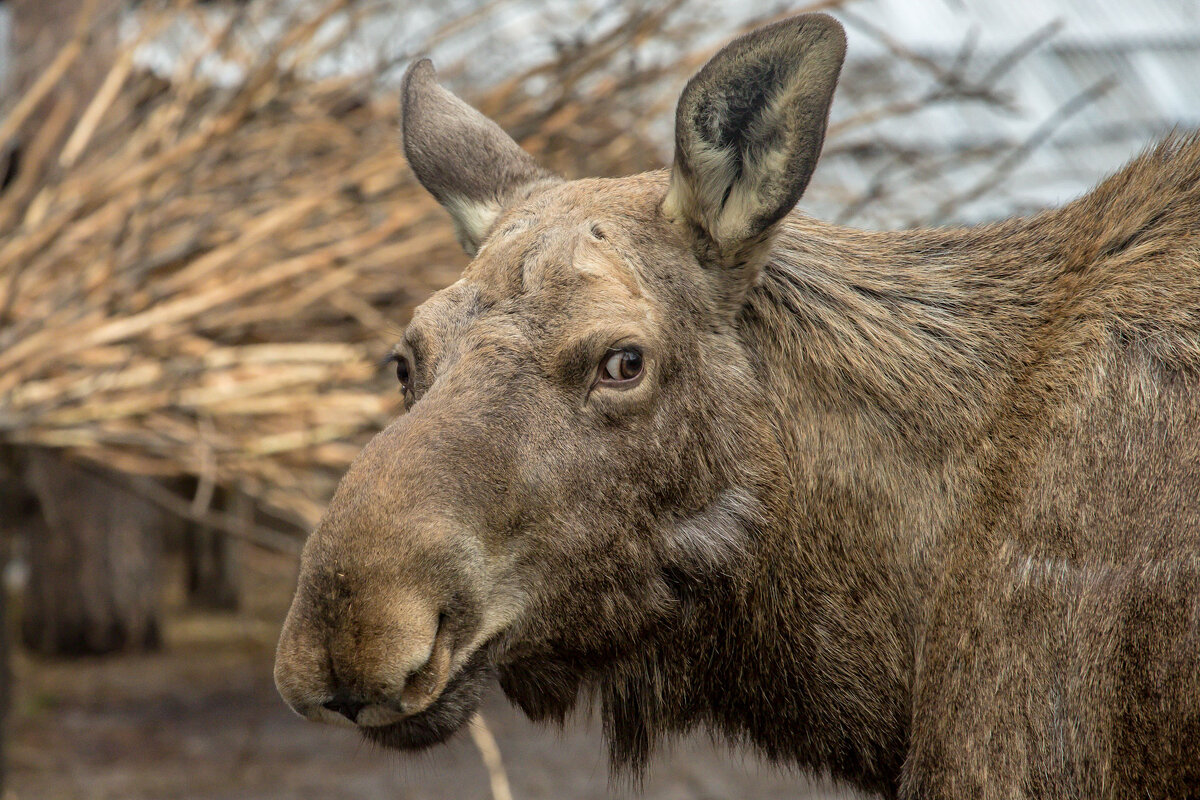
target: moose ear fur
465 160
748 131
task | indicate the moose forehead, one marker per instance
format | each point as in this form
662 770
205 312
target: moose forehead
565 254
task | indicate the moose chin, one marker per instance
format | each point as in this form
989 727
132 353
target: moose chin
919 510
452 709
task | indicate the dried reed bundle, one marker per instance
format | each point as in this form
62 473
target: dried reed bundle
200 280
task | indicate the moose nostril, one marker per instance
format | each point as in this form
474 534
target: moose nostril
347 706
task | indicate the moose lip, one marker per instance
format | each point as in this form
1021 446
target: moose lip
444 717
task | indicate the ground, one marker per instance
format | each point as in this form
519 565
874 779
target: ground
201 720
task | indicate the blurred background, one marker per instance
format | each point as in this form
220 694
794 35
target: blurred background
209 237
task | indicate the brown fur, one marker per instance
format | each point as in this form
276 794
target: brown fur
918 509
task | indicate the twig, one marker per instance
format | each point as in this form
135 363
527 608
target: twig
1005 166
489 751
226 523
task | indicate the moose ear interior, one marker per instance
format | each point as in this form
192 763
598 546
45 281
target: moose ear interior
749 129
464 159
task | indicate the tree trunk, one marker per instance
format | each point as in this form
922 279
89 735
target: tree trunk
16 507
210 560
5 676
93 563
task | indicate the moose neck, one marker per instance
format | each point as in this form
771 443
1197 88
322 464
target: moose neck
885 360
886 356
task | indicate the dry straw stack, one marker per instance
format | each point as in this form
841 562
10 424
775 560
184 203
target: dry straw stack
198 280
201 280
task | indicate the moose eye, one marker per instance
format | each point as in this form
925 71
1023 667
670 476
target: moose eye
402 371
621 366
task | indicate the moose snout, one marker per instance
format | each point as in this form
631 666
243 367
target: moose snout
393 596
368 660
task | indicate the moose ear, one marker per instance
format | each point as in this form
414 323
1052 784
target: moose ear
748 131
465 160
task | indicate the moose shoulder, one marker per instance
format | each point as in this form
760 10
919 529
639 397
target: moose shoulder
919 509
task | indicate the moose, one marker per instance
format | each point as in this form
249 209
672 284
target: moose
918 510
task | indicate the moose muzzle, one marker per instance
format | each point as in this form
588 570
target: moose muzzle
369 661
386 626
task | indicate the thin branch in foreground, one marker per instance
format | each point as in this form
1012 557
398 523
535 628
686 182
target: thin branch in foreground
489 751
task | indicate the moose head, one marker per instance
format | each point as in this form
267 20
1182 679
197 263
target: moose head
590 446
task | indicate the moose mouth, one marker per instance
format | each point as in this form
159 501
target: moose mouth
444 717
